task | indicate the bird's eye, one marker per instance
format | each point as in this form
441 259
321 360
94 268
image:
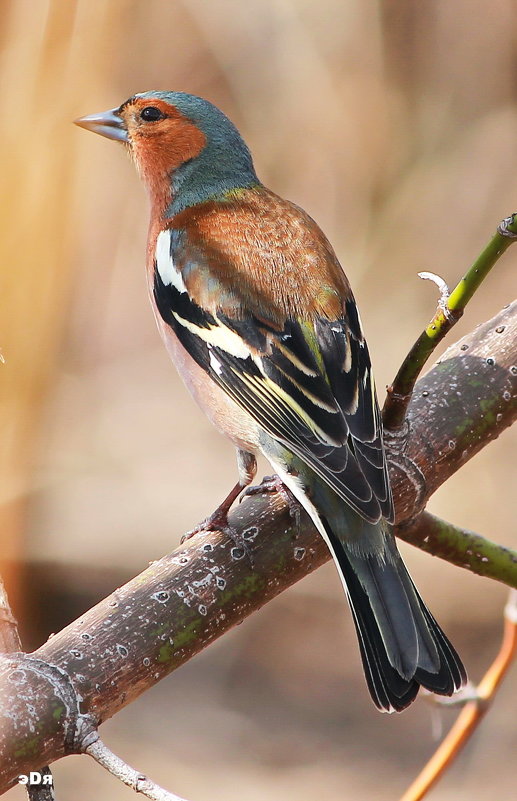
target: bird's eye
151 113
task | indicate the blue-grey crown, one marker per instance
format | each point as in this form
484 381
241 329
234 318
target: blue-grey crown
224 164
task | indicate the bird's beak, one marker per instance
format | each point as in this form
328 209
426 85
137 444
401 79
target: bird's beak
107 123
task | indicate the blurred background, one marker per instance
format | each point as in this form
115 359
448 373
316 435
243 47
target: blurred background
393 124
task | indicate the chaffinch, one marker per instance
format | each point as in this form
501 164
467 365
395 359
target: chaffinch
260 320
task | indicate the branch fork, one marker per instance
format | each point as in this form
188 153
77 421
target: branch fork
445 294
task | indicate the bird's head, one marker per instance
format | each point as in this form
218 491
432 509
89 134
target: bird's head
185 148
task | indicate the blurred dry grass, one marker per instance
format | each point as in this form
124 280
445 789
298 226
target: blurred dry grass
394 125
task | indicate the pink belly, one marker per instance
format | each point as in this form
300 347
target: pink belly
222 411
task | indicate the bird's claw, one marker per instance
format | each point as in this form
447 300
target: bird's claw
275 484
268 484
218 521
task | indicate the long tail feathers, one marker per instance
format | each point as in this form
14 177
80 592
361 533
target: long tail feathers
402 646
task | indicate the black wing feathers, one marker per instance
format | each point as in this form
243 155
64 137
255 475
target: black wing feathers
310 386
348 367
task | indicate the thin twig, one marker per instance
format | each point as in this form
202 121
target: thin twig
128 775
450 308
10 642
445 292
474 710
461 547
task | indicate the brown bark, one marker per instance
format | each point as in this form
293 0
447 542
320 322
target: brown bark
462 404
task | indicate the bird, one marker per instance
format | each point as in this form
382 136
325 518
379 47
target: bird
260 320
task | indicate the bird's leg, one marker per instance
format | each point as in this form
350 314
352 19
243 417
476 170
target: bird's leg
218 520
275 484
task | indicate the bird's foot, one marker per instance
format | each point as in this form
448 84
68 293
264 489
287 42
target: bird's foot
275 484
218 521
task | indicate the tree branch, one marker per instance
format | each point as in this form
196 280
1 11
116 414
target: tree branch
128 775
466 401
175 608
450 309
10 643
461 547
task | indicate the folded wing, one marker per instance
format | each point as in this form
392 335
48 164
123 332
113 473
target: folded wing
309 384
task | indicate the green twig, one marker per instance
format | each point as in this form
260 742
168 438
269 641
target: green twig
450 308
461 547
